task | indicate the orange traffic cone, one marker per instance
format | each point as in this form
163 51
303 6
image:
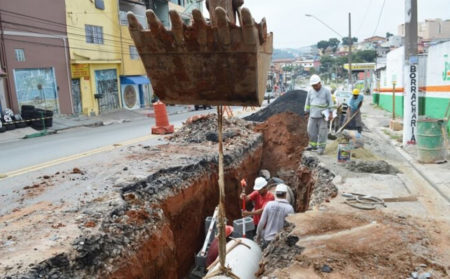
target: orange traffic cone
162 121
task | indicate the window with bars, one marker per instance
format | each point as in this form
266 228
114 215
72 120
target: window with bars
134 55
20 54
94 34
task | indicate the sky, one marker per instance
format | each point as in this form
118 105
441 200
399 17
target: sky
292 29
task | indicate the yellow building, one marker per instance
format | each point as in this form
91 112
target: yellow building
135 86
95 53
107 72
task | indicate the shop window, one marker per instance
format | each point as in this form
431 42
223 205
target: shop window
134 55
20 54
94 34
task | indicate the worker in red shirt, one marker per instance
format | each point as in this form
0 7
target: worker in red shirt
213 250
260 197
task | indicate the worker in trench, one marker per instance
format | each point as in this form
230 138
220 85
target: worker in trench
260 197
318 109
354 107
272 218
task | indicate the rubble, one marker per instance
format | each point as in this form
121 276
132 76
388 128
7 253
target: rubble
379 166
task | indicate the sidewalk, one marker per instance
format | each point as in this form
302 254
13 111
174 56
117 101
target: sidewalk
437 175
63 122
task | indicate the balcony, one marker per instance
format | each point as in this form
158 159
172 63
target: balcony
124 21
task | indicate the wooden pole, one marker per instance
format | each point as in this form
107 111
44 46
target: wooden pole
393 100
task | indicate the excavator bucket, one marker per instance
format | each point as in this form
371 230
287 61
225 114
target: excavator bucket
205 63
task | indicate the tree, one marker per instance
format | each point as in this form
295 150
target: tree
323 45
326 63
346 41
388 34
333 43
365 56
287 68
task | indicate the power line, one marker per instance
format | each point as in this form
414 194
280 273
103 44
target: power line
54 45
12 25
365 16
379 18
53 23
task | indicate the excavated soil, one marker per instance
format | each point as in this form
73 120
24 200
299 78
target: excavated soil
335 243
285 137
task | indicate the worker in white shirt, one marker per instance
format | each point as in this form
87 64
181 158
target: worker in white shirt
272 219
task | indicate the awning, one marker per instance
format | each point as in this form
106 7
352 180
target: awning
134 80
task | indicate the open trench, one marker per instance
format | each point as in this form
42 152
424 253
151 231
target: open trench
168 252
158 225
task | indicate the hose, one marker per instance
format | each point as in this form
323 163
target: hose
362 201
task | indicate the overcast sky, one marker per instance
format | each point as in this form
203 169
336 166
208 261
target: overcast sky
291 28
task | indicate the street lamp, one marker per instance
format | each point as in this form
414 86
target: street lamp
342 37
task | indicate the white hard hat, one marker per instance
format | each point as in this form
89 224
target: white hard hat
281 188
315 79
260 183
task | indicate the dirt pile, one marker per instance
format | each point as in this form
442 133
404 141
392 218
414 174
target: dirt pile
293 101
285 137
359 244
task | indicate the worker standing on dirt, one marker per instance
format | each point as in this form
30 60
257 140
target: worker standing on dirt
354 107
272 219
318 107
213 250
260 197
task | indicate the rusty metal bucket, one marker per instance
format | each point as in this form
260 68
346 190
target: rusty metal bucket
218 63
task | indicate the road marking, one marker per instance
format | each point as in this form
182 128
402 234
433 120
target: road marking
75 156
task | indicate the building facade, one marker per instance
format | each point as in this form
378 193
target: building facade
430 29
433 79
95 54
34 56
136 91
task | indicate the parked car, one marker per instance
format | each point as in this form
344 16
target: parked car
343 97
197 107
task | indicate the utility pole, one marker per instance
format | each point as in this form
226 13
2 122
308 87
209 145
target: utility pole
410 71
350 81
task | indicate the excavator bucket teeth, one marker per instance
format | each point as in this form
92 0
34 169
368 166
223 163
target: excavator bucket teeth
204 63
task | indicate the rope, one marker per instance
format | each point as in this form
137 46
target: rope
27 120
362 201
221 225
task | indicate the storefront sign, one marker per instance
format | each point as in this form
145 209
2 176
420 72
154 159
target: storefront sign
80 70
411 103
361 66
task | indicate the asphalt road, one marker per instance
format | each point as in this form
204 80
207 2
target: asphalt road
24 153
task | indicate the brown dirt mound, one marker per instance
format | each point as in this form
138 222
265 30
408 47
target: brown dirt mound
285 137
355 245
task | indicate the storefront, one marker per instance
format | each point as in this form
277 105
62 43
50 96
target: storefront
136 91
37 87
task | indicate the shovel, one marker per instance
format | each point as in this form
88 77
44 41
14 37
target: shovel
243 184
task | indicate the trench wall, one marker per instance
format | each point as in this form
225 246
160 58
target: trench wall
168 252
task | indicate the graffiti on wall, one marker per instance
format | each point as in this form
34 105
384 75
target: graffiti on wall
446 72
36 87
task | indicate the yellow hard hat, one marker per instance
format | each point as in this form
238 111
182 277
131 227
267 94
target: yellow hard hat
355 91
